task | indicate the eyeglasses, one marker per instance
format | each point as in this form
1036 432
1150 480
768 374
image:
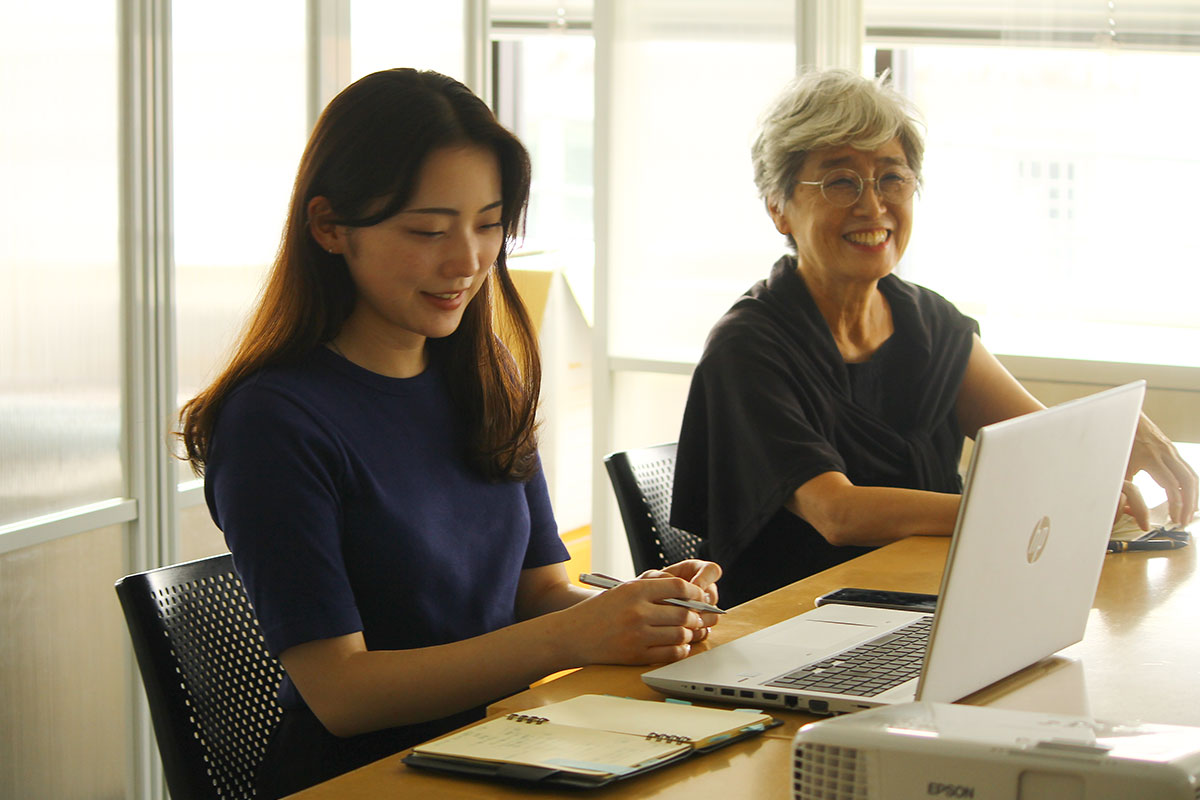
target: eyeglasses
843 187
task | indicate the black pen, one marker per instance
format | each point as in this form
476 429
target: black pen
605 582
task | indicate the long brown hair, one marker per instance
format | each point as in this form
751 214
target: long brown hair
370 143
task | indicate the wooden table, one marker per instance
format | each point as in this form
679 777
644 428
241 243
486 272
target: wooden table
1139 660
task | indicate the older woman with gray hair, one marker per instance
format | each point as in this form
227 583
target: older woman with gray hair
828 411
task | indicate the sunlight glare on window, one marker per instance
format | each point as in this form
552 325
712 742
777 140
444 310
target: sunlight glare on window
406 33
1058 197
239 129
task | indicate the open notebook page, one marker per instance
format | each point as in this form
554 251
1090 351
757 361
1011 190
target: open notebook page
642 717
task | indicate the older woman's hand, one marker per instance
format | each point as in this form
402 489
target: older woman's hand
1154 453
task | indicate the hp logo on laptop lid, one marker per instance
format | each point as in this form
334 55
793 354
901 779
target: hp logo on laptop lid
1037 540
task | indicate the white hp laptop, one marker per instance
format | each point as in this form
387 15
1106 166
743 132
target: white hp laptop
1020 578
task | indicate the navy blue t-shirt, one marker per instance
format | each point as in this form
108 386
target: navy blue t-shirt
348 506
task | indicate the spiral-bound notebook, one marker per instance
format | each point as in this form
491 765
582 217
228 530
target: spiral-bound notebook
590 740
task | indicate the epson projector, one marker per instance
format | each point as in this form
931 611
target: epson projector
933 751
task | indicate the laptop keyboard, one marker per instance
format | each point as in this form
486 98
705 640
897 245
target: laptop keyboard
870 668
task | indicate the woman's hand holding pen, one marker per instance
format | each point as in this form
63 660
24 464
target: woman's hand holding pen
699 573
630 624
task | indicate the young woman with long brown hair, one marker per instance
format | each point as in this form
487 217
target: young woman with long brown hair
370 449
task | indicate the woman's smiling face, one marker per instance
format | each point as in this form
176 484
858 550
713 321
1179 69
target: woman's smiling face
417 271
860 243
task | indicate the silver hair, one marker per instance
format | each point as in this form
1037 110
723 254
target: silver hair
830 108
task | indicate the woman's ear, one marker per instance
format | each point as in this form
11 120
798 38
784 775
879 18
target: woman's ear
321 226
779 218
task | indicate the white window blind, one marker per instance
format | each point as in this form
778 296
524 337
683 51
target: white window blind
1133 23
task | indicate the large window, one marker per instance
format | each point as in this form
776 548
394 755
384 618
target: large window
236 147
1057 202
60 347
545 96
687 234
553 116
64 692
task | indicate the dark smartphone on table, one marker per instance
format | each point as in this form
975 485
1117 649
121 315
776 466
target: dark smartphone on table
881 598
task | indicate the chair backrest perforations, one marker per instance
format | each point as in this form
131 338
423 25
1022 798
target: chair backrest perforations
642 480
208 675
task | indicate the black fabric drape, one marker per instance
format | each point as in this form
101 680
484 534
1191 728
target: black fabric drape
772 404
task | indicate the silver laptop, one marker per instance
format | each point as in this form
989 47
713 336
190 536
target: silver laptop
1020 578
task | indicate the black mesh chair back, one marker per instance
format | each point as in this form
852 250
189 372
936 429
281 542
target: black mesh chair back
210 681
642 481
